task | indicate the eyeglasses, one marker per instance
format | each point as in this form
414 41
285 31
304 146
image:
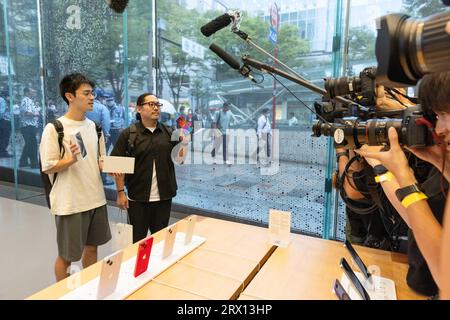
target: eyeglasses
152 104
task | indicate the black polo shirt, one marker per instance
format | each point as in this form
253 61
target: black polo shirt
149 147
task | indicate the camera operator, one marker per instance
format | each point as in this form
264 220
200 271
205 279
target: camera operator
371 220
406 193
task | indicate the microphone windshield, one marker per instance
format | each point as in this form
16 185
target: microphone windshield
215 25
118 5
228 58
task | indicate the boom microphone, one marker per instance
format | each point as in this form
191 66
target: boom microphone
232 62
118 5
215 25
232 16
228 58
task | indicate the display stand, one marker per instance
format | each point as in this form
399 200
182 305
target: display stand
378 289
127 283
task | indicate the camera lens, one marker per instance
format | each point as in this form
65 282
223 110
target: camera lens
319 128
408 48
374 132
342 86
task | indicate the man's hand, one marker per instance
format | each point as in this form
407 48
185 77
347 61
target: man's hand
115 175
122 200
75 151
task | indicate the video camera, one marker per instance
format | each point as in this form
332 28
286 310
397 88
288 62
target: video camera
361 88
413 128
406 50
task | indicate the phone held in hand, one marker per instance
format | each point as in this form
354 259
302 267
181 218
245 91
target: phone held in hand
143 256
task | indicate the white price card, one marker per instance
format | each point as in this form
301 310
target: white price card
279 228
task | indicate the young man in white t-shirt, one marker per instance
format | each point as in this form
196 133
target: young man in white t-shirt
77 198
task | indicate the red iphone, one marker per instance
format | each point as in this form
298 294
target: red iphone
143 256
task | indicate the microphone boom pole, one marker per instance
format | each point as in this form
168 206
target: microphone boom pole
265 67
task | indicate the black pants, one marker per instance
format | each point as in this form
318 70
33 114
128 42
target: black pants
5 134
217 143
30 149
145 216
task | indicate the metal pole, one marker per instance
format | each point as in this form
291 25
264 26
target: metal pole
336 61
346 39
41 61
125 63
11 98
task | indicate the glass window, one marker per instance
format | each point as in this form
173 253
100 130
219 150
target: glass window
118 51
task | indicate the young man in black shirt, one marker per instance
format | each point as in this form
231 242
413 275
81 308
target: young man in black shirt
153 184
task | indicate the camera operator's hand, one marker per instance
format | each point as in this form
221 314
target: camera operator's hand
435 155
394 160
371 161
386 103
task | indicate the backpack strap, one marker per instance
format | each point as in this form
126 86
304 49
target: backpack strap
60 131
131 140
99 129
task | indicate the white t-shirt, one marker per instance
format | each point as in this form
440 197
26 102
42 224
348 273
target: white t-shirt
154 191
78 188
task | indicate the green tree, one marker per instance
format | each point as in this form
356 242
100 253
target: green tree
291 46
361 43
422 8
176 66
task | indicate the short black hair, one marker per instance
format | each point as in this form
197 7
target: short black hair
226 104
434 92
71 82
265 110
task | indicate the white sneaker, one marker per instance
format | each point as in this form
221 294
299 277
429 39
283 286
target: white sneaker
228 162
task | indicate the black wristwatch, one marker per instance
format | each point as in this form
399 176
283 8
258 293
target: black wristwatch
402 193
341 154
379 170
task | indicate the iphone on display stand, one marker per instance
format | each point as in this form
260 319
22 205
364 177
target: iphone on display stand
354 279
339 290
189 229
362 267
109 275
143 256
169 241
